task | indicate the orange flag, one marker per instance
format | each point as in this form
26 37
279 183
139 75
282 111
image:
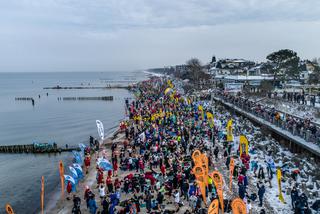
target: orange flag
42 194
238 206
214 207
9 209
231 167
199 174
218 182
196 157
205 166
61 170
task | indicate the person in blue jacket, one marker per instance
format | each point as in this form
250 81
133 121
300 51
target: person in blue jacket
92 205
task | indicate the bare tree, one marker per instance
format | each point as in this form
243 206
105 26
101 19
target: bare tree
195 72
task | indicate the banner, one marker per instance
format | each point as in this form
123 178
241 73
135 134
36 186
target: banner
100 129
42 194
61 170
77 157
74 174
279 175
9 209
238 206
244 144
196 157
79 170
205 166
200 108
167 91
218 182
210 118
229 131
198 171
214 207
231 167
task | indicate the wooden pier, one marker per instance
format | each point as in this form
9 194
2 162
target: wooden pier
91 87
105 98
31 148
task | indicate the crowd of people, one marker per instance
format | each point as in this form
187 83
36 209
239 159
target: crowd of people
152 166
295 97
302 127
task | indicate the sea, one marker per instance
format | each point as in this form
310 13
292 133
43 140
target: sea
51 120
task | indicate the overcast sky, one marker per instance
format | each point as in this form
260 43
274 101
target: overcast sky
112 35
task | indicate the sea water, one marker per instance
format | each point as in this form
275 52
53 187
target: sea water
51 120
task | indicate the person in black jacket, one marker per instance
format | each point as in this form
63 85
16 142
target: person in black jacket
261 191
294 196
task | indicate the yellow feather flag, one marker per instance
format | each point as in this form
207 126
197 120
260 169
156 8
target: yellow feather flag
229 131
279 175
214 207
200 108
244 145
210 118
167 90
238 206
9 209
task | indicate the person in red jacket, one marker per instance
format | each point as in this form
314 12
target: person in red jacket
99 177
163 170
87 161
115 169
69 189
109 184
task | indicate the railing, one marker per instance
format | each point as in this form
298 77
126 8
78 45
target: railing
295 125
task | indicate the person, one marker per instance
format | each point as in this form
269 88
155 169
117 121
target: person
249 207
76 205
193 201
216 152
102 192
105 206
261 172
148 198
177 200
92 205
294 196
87 161
109 184
115 168
185 188
242 190
160 198
261 191
69 189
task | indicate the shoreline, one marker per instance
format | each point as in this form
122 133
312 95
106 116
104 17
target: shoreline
63 206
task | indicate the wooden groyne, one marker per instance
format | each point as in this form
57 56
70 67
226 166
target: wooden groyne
32 148
105 98
24 98
90 87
